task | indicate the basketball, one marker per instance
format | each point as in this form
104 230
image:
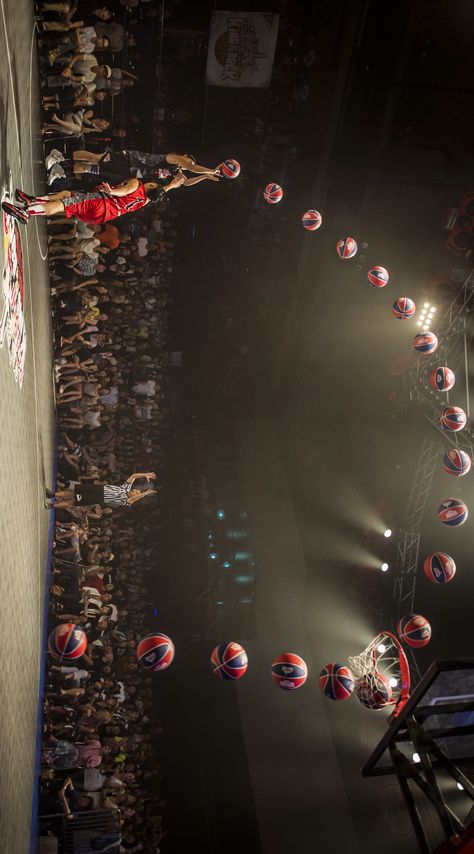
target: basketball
374 691
414 630
346 247
67 642
336 681
289 671
453 418
273 194
229 660
403 308
311 220
155 651
442 379
453 512
456 462
378 277
230 168
439 568
425 342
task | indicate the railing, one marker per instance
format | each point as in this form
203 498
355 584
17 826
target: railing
86 832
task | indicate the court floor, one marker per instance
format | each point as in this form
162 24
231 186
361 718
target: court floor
26 429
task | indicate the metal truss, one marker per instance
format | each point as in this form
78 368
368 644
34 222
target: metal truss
454 336
408 539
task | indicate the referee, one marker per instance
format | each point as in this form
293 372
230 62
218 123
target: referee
104 494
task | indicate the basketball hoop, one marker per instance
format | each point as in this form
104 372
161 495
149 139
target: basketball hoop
382 673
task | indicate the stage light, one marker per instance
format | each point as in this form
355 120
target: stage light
220 514
460 787
393 682
384 567
213 556
416 757
433 308
387 533
426 305
226 564
381 648
418 322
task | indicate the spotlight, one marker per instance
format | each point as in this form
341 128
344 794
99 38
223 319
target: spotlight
426 305
220 514
213 556
460 787
418 322
433 309
393 682
381 648
387 533
416 757
384 567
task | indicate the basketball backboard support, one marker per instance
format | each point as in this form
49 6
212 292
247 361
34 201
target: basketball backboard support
429 746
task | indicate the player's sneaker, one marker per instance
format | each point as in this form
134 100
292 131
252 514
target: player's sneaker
55 156
20 196
16 213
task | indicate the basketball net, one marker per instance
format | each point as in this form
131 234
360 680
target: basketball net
382 664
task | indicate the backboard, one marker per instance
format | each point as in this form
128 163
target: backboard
443 703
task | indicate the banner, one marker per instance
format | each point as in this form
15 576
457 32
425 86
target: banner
241 49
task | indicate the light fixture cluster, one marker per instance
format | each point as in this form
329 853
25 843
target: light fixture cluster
426 316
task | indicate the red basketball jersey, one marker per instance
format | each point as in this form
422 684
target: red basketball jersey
119 205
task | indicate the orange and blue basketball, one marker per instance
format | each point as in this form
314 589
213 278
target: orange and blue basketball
453 512
453 418
311 220
230 168
67 642
442 379
346 247
378 277
457 462
425 342
289 671
403 308
336 681
155 651
439 568
414 630
229 660
374 691
273 194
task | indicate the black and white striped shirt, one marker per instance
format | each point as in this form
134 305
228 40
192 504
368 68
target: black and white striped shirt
116 496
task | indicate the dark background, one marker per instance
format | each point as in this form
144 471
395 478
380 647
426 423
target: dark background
292 359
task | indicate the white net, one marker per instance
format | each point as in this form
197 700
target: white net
381 672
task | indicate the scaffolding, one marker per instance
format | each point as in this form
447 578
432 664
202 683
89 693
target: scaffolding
454 336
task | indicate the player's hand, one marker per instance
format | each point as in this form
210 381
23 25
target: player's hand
177 180
67 72
105 187
151 475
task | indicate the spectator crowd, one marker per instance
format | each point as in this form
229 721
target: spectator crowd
110 296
